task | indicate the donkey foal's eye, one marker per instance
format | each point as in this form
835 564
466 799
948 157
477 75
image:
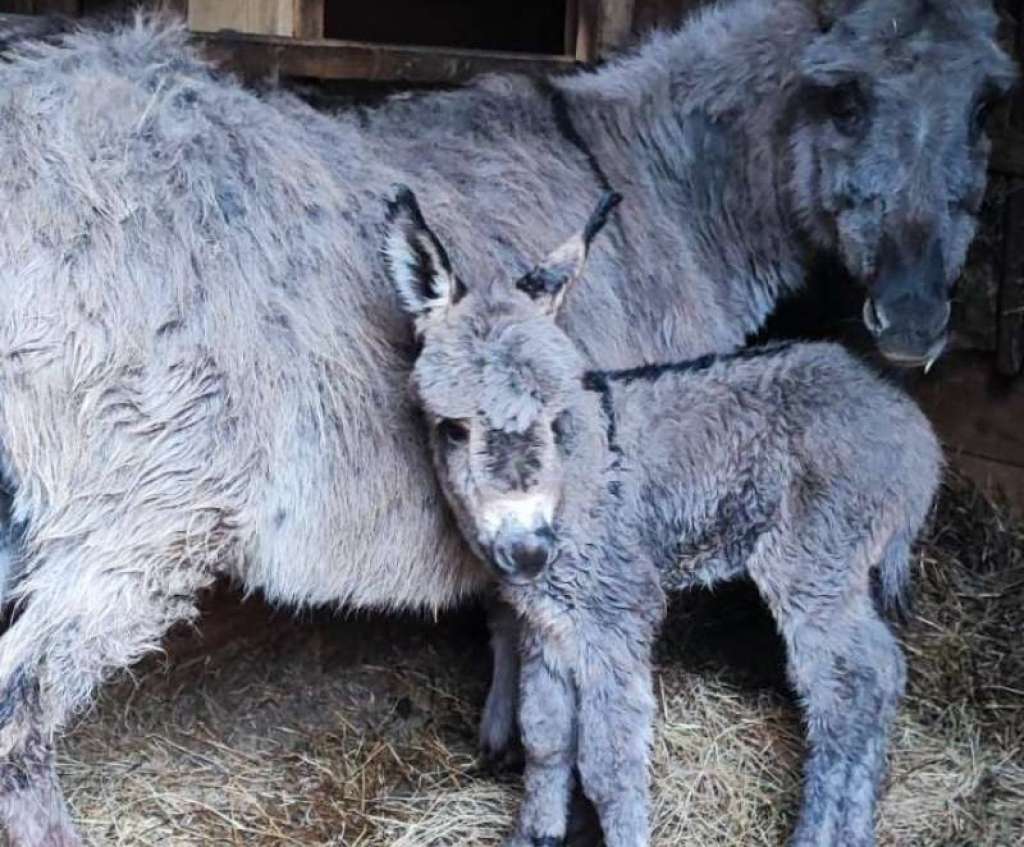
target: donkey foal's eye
561 428
452 431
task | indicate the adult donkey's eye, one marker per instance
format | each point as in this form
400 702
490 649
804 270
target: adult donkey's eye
847 106
979 119
453 431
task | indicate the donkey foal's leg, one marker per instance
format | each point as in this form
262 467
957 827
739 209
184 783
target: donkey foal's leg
850 676
616 727
498 727
548 721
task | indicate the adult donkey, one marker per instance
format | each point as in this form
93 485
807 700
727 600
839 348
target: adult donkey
202 368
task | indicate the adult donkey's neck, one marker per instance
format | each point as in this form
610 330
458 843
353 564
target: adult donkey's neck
692 127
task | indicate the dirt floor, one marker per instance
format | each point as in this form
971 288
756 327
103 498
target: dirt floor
263 729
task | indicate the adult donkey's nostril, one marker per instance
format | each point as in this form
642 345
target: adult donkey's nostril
875 318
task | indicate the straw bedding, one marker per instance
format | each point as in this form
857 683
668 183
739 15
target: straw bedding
262 729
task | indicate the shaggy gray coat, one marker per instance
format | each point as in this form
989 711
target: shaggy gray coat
202 371
793 465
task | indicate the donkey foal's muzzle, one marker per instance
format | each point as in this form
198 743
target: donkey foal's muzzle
523 553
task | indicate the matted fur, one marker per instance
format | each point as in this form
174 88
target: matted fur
202 370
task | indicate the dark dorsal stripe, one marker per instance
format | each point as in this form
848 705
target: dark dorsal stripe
701 363
601 382
597 381
563 120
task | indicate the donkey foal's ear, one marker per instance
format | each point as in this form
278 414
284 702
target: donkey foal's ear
416 263
547 283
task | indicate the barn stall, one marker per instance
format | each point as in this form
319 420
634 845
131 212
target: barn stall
263 728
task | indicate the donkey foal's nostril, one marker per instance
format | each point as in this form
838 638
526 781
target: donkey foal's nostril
530 555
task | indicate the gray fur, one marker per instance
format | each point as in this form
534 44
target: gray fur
792 464
202 369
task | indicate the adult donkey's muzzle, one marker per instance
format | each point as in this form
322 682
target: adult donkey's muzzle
909 307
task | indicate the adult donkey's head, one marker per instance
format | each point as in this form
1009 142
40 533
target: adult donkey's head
498 383
890 153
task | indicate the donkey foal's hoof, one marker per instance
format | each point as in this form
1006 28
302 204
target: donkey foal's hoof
534 841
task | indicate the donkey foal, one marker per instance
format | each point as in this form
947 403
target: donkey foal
587 491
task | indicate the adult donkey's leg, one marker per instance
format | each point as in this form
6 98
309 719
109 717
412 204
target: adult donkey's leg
849 672
31 801
90 606
548 721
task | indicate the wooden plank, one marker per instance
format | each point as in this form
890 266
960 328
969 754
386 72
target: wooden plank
602 25
308 19
1010 327
588 30
572 25
615 27
256 57
973 409
71 8
264 17
977 416
651 14
995 478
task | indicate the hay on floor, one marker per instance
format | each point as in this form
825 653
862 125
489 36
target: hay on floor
265 730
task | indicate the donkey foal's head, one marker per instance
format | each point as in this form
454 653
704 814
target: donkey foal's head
497 382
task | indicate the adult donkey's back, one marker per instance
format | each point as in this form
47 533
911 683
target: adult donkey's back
202 368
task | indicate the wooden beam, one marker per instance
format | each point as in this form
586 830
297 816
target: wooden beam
308 19
71 8
259 56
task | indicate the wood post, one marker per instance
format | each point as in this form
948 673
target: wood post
308 18
602 25
572 26
588 22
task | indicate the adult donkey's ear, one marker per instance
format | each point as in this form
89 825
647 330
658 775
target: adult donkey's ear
547 283
416 263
